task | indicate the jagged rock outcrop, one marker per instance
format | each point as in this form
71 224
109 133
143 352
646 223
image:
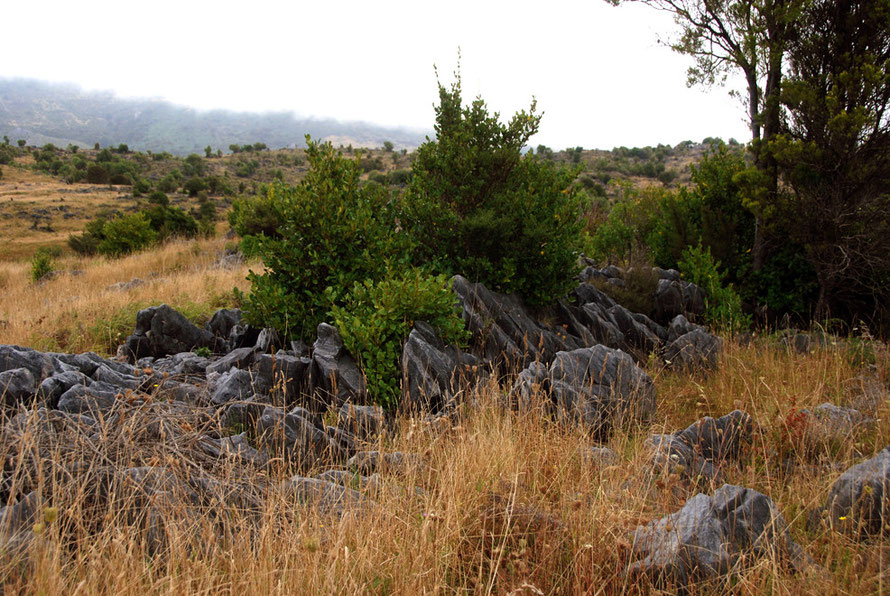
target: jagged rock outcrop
696 351
299 439
697 452
503 330
591 386
365 423
433 374
335 375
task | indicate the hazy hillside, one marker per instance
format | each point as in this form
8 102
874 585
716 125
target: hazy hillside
42 113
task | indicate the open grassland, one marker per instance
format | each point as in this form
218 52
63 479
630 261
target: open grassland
80 308
509 503
40 210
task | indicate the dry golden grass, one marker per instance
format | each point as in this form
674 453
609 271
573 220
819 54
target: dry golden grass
79 309
509 506
65 207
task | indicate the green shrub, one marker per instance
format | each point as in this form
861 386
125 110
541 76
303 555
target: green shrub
477 207
141 186
260 215
377 316
170 222
723 305
126 234
97 174
42 264
332 233
87 243
194 185
7 155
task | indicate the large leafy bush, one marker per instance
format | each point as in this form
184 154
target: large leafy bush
332 233
476 206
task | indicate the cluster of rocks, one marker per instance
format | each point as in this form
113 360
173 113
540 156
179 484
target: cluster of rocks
581 366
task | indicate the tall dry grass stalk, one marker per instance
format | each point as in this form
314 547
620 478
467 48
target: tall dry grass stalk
506 503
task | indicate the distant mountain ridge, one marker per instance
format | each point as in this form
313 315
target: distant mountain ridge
59 113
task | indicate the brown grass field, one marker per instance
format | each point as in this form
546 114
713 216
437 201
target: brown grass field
508 504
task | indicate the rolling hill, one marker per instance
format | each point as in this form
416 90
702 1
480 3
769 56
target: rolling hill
41 112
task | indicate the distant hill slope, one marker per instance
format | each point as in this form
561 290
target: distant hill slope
41 112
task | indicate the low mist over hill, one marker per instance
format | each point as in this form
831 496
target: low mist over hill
42 113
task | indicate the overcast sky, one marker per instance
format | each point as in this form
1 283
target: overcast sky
598 72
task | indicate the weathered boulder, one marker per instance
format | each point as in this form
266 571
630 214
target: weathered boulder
680 326
670 455
637 331
433 373
719 439
223 321
112 376
237 358
16 524
693 298
326 497
52 388
828 423
282 374
532 388
16 386
235 447
234 385
599 456
857 501
696 351
335 375
803 342
364 423
592 386
590 321
503 330
669 301
297 438
697 452
712 536
40 365
183 363
91 399
353 480
161 330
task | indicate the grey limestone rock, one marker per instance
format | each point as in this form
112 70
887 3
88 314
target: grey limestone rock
710 536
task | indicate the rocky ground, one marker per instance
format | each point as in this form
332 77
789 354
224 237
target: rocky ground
189 428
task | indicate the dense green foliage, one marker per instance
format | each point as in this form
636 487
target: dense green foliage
834 155
115 235
723 305
658 226
377 316
332 233
476 206
126 234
